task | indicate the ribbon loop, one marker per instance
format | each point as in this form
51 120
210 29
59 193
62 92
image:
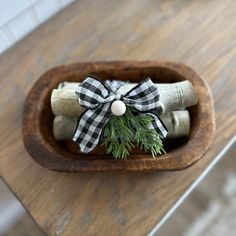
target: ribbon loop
92 92
143 97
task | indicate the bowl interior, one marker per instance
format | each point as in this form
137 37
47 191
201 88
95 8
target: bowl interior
157 74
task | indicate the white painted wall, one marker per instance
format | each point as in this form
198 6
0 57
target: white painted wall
19 17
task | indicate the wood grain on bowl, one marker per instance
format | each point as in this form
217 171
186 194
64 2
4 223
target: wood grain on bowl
64 156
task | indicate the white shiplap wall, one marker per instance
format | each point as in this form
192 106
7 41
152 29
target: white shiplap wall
19 17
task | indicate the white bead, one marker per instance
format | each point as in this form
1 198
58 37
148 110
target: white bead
118 108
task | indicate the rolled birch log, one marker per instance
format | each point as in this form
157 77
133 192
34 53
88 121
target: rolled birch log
177 123
174 96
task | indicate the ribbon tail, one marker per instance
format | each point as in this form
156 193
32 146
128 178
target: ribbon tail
158 125
89 127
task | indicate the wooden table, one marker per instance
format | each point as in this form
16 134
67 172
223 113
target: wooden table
199 33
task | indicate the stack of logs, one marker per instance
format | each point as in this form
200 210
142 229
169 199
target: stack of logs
174 99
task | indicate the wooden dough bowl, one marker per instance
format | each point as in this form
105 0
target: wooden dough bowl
65 156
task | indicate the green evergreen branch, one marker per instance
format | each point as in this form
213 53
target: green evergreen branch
122 133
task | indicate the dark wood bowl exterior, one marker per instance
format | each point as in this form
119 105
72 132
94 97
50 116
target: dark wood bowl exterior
64 156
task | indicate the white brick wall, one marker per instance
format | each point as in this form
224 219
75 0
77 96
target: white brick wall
19 17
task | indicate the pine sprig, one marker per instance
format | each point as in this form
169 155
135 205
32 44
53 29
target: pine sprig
122 133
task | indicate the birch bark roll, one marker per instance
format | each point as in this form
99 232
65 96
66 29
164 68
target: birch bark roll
174 96
177 123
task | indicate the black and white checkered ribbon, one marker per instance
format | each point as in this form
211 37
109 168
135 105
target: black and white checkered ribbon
97 96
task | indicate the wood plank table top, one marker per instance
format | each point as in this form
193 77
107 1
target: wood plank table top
200 34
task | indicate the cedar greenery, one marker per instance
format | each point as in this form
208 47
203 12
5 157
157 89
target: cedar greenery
122 133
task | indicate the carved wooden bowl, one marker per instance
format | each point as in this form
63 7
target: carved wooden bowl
65 156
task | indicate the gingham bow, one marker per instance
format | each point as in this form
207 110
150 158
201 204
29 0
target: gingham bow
97 96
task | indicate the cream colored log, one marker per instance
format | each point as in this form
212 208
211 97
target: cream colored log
177 123
173 96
